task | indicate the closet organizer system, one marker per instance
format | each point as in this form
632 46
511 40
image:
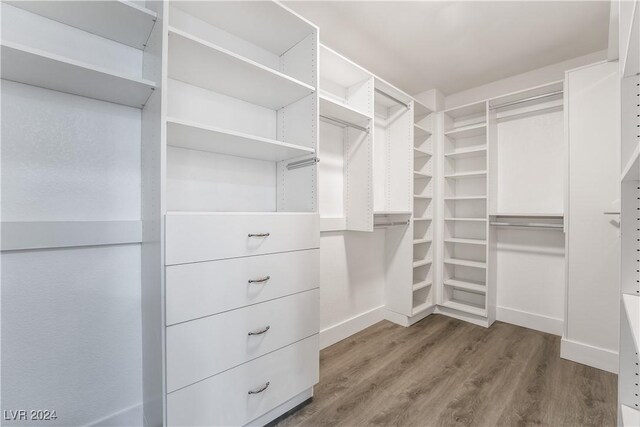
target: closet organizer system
629 371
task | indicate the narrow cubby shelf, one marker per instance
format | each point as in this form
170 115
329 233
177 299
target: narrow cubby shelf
421 262
421 153
421 307
332 108
421 219
421 241
467 152
421 197
465 262
200 63
466 285
35 67
194 136
479 242
420 131
454 198
420 175
463 175
465 307
392 213
467 131
421 285
467 219
122 21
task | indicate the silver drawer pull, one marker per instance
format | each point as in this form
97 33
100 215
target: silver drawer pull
259 331
262 280
260 389
259 234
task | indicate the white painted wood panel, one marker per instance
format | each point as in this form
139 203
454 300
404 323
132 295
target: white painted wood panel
205 288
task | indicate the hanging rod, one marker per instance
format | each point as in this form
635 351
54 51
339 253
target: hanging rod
393 98
390 224
344 123
302 163
532 98
527 225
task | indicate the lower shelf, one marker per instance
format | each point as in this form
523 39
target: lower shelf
421 308
465 262
466 285
421 285
464 307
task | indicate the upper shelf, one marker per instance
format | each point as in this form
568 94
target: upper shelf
200 63
23 64
467 131
340 70
337 110
223 141
122 21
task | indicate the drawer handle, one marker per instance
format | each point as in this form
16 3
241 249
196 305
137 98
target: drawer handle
260 331
260 389
264 279
259 234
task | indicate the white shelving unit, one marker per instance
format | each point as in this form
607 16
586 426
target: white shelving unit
466 221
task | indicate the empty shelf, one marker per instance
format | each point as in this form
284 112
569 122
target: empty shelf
632 308
420 175
421 308
466 241
467 219
392 212
467 131
467 308
418 196
421 132
463 153
421 285
121 21
337 110
23 64
466 198
465 262
421 219
462 175
466 285
216 140
421 153
420 241
203 64
421 262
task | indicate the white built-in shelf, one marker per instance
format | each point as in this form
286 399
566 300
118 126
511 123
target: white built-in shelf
457 240
463 153
333 224
420 308
631 171
420 241
35 67
392 212
420 111
467 131
421 219
465 198
123 21
421 153
469 110
465 307
632 307
421 262
335 109
546 215
198 62
463 175
420 132
466 219
420 175
466 285
630 416
465 262
196 136
421 285
421 197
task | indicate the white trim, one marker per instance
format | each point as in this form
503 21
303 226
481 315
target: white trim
282 409
346 328
402 320
538 322
131 416
465 317
589 355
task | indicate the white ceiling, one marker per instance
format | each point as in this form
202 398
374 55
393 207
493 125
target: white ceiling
457 45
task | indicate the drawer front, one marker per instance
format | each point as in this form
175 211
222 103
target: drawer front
206 288
207 237
201 348
225 399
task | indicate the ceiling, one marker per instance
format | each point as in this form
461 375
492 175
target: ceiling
457 45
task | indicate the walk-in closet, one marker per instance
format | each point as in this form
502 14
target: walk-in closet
305 213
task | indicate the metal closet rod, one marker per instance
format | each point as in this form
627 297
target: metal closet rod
393 98
302 163
344 123
527 225
390 224
531 98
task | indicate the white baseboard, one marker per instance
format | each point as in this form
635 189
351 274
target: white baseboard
465 317
538 322
402 320
129 417
589 355
346 328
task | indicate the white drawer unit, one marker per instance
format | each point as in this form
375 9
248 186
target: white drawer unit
206 288
242 394
196 237
201 348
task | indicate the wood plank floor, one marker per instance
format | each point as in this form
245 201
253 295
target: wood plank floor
444 372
